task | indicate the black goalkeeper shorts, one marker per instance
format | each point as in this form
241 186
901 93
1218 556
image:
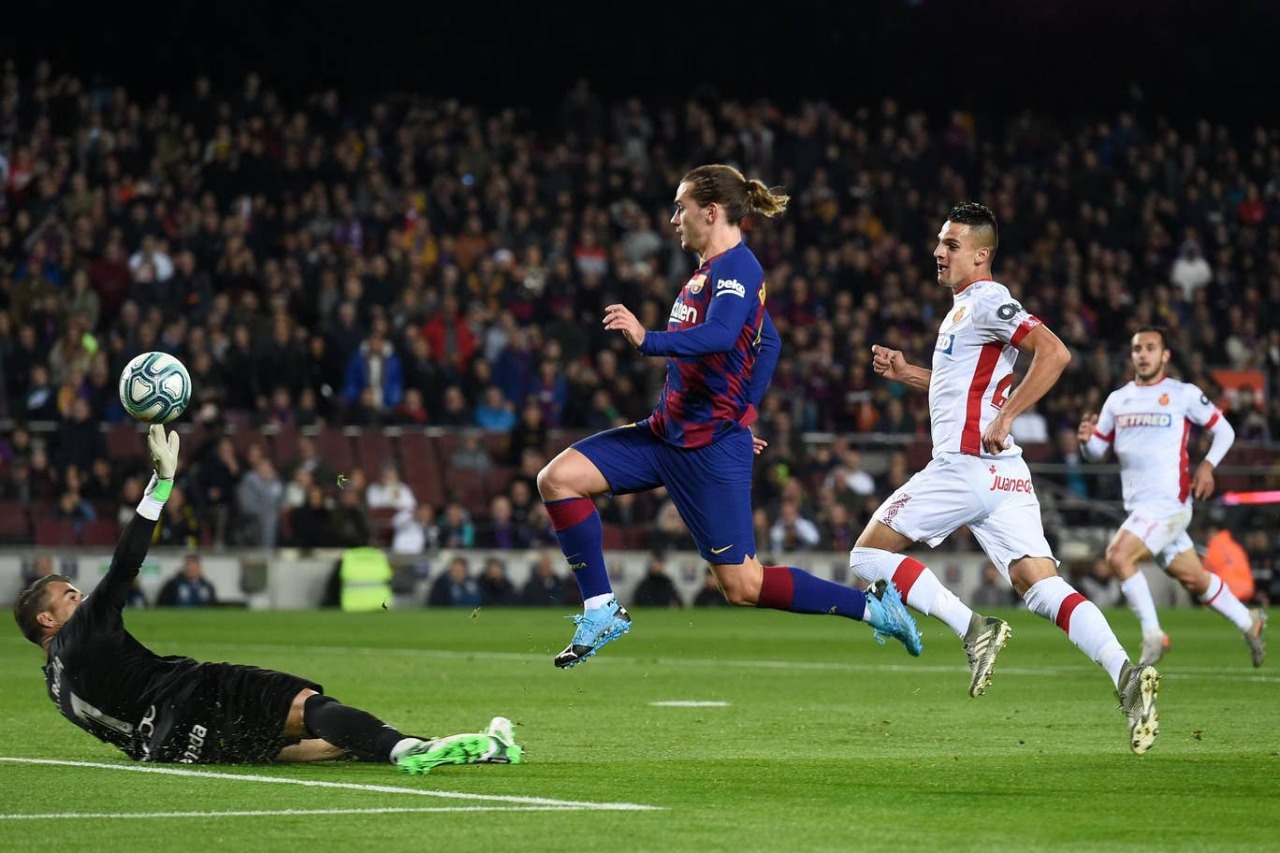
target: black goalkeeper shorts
236 716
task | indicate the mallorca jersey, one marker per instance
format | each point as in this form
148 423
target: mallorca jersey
973 366
1148 425
714 335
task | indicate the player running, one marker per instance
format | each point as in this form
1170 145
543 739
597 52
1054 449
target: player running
978 478
1147 422
721 348
177 710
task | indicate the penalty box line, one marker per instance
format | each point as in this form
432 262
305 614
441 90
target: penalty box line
342 786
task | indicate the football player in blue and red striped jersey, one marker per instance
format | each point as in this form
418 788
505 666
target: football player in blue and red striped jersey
721 348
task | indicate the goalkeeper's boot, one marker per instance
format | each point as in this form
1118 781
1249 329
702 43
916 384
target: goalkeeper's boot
1154 645
1256 636
888 617
475 748
596 627
982 642
1138 688
504 732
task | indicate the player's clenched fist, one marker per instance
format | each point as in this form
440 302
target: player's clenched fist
886 362
1087 425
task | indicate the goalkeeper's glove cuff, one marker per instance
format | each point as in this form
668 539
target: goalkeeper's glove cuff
153 498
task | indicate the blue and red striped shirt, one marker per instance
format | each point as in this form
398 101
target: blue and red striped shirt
721 348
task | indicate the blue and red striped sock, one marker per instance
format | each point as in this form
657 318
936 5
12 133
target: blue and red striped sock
581 535
797 591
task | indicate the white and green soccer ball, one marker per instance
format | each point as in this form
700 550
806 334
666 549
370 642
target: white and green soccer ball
155 388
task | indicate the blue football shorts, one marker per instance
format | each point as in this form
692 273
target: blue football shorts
710 486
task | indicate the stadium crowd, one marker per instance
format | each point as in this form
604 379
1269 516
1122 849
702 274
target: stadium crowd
419 263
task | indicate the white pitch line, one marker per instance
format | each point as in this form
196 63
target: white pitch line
689 703
345 786
1203 673
279 812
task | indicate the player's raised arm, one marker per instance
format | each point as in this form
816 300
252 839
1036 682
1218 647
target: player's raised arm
892 364
131 549
727 313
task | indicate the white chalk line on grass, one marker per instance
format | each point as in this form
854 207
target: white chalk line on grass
1203 673
279 813
689 703
345 786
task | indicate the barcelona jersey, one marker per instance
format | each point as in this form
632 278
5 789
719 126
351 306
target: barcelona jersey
721 348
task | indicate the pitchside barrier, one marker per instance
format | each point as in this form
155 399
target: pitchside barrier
292 580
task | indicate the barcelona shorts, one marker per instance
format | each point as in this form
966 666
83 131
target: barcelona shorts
710 486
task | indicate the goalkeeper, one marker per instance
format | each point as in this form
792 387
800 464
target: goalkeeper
175 709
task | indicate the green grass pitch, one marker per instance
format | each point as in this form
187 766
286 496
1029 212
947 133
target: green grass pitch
824 741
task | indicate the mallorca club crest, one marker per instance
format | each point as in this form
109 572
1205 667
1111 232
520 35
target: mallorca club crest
1164 399
695 284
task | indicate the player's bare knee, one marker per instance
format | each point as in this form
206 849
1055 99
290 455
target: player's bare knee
555 481
739 584
1029 571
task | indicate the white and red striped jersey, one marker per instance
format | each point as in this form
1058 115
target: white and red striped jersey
973 366
1147 426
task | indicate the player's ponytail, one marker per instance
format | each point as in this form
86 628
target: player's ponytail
727 187
765 201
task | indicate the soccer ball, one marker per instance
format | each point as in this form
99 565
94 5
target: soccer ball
155 388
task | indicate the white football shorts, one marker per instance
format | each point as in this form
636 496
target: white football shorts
994 497
1163 529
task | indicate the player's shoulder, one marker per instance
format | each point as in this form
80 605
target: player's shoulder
991 295
738 265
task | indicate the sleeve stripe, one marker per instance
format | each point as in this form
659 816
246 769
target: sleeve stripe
1213 420
1107 436
1024 329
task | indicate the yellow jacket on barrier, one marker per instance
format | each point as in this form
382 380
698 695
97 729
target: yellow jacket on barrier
365 577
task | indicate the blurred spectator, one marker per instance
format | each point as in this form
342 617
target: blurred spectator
1190 270
41 566
308 457
73 508
494 412
390 492
179 525
351 519
456 528
414 531
259 496
993 590
311 524
544 587
454 410
656 588
1247 418
529 433
470 454
456 587
41 403
792 531
188 587
376 367
501 530
496 589
1227 559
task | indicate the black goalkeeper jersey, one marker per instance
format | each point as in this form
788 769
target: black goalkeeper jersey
109 684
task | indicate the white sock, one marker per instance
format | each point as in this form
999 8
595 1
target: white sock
402 747
596 601
1056 600
1220 597
1138 594
918 585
